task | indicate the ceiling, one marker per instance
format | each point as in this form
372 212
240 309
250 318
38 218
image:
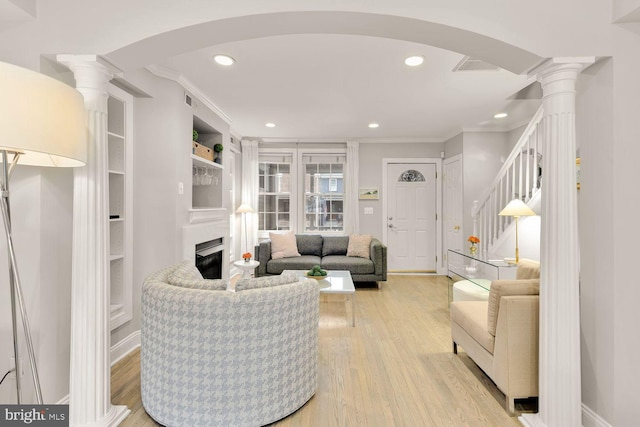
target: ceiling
326 87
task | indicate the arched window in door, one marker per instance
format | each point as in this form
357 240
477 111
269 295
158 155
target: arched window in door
411 175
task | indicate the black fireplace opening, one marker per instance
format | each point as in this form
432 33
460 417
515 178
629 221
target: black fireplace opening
209 258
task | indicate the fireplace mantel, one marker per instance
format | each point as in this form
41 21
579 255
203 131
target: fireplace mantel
198 215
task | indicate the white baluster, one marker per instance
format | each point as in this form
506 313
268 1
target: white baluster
528 187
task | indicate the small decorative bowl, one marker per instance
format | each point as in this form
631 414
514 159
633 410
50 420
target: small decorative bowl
316 277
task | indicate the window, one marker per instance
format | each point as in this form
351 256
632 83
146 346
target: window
411 176
318 207
274 201
323 197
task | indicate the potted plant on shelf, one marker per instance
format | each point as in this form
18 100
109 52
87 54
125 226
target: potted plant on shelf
218 149
195 142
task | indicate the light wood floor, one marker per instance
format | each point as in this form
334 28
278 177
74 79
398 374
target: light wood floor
395 368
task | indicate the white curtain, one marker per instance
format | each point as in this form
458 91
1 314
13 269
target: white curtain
352 217
250 190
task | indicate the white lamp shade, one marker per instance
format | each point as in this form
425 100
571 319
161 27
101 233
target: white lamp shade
42 118
245 208
517 207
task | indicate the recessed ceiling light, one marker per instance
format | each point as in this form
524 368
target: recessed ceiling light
270 125
414 61
373 125
224 60
500 115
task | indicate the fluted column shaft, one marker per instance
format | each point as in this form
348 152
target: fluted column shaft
559 363
90 377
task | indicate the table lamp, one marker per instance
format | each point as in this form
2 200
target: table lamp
244 209
517 208
43 124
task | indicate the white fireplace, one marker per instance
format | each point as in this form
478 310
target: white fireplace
217 227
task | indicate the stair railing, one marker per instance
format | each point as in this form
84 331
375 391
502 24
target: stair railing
519 178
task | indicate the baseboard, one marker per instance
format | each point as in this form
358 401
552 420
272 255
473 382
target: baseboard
124 347
530 420
591 419
118 351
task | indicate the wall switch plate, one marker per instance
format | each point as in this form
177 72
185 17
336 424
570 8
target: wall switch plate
180 188
368 211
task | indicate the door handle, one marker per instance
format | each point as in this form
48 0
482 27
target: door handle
457 227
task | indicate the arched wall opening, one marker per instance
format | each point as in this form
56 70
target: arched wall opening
178 41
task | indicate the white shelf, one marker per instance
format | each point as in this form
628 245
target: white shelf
115 135
199 161
120 202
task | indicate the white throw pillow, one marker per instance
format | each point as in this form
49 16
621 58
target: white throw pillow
359 245
283 245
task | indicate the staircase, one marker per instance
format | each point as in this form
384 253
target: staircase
519 178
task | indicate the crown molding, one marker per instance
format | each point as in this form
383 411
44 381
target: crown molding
311 140
188 85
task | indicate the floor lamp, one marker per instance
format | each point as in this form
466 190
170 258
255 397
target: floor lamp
517 208
43 124
245 209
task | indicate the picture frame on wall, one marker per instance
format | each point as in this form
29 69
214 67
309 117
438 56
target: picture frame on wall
368 194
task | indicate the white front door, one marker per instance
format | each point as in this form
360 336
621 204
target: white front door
452 213
411 217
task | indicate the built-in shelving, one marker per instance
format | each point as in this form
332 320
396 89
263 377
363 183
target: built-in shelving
199 161
119 134
207 175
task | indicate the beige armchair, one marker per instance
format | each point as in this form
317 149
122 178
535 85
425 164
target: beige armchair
501 334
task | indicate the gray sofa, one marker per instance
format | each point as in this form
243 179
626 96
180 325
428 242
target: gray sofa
330 252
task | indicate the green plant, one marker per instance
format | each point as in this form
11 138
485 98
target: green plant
218 148
317 271
195 135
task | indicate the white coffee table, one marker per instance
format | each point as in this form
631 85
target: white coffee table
336 282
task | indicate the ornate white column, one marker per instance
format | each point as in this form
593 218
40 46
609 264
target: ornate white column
560 403
90 378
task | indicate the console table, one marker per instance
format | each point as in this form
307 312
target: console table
472 275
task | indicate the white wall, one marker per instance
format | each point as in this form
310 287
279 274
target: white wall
594 133
622 269
160 126
55 281
41 206
453 146
482 156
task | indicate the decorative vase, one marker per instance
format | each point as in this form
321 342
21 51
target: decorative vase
473 249
247 260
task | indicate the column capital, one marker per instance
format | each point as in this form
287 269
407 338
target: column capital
560 68
558 77
92 74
